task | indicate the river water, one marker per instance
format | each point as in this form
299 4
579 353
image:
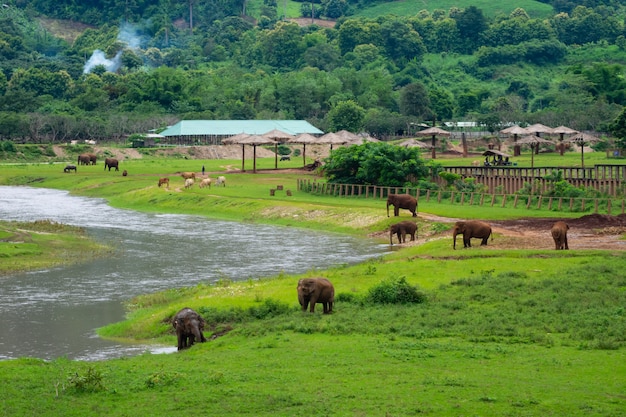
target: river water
55 312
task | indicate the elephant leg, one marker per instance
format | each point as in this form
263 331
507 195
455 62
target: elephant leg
313 301
484 242
565 243
325 305
396 211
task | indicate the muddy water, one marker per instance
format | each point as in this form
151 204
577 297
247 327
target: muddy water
54 313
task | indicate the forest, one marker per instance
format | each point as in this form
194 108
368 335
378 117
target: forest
135 66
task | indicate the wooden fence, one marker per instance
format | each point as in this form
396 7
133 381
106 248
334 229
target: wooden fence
609 205
608 179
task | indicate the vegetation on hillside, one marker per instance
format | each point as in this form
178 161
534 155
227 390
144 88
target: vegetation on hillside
383 74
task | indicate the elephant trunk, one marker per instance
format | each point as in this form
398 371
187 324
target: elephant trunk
388 208
454 233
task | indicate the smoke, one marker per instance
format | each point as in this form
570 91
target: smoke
99 58
128 35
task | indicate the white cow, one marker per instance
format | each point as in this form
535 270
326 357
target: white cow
206 182
188 182
221 180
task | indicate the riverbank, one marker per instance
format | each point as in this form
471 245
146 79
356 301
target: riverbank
503 330
30 246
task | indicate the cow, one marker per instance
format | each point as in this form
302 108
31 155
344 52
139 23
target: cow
164 181
206 182
221 180
187 175
188 182
69 168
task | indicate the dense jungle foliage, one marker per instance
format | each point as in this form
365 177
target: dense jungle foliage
146 64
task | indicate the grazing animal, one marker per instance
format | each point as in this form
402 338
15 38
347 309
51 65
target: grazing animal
559 234
69 168
189 326
84 159
221 180
111 163
164 181
471 229
124 173
188 182
401 230
401 201
285 158
206 182
316 290
187 175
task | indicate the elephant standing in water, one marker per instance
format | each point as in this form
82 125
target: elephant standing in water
111 163
559 234
189 326
471 229
401 201
402 229
316 290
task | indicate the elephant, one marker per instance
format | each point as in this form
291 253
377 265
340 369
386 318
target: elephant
316 290
93 158
84 159
111 163
402 229
559 234
69 168
401 201
472 229
189 326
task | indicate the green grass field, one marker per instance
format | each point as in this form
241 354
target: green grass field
501 332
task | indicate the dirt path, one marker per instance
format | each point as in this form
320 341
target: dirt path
593 231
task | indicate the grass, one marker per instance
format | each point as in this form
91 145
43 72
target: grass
490 10
500 332
27 246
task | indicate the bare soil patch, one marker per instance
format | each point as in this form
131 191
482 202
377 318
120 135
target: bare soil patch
592 231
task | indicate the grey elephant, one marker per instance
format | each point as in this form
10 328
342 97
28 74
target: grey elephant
559 234
111 163
84 159
471 229
402 229
189 326
316 290
401 201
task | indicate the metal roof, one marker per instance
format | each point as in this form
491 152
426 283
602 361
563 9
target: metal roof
233 127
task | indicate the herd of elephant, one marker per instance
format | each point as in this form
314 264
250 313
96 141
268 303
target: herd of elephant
471 229
90 159
189 325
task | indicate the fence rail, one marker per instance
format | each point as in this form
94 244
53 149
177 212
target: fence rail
609 205
609 179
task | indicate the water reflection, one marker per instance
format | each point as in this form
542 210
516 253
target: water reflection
53 313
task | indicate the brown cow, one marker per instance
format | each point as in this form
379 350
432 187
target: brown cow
188 175
164 181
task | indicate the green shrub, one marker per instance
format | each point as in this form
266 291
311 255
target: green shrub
395 291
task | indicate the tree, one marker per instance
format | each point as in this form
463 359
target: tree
377 163
346 115
414 101
618 129
471 24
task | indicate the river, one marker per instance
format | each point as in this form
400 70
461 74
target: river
55 312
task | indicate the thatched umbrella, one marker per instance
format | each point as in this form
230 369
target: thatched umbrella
534 142
515 130
254 141
304 139
279 137
433 132
234 140
333 139
351 137
537 129
582 139
414 143
562 131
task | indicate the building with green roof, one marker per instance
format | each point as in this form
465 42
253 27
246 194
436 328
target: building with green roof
212 132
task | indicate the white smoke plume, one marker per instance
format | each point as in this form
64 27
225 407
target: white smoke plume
128 34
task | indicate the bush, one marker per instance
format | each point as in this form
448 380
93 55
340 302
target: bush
395 291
